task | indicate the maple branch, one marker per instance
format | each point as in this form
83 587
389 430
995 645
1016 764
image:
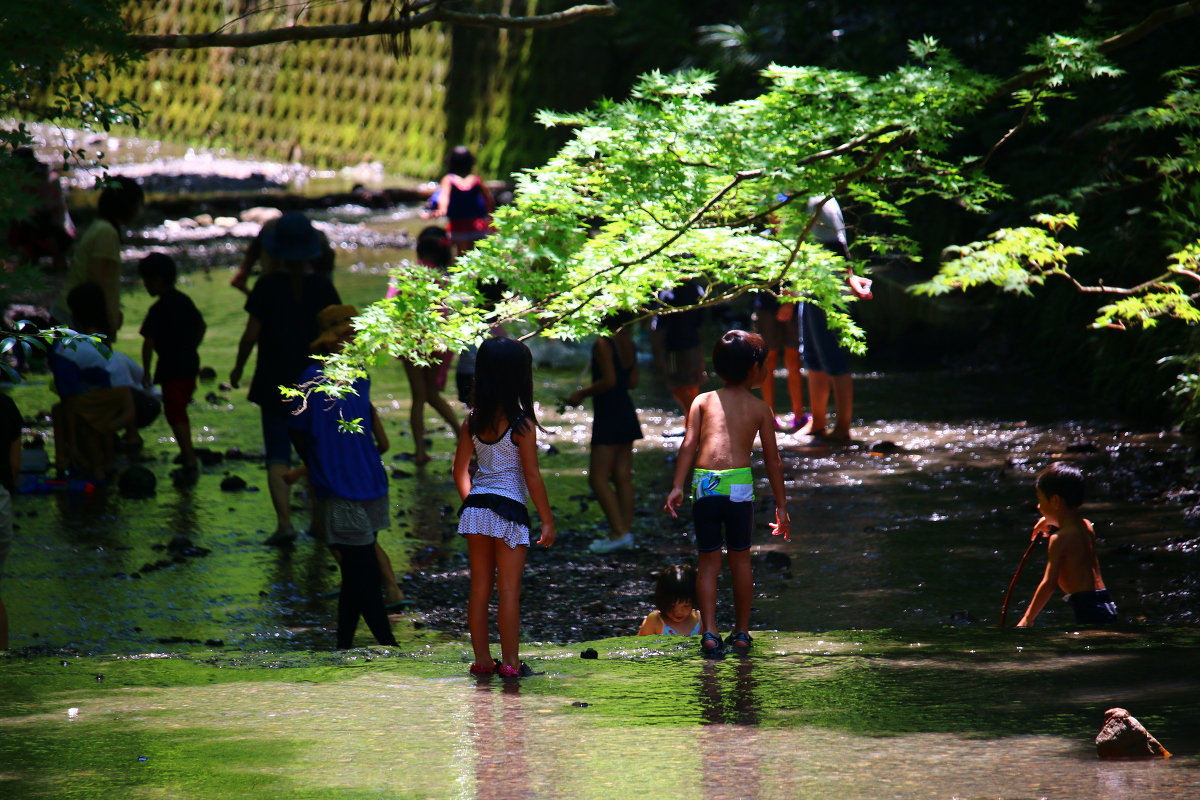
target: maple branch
385 27
1116 42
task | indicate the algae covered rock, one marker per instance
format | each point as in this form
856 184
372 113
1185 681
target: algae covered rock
1124 737
137 482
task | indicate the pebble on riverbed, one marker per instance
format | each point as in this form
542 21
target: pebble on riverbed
1124 737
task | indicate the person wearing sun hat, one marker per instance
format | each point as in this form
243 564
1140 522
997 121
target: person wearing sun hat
348 479
283 309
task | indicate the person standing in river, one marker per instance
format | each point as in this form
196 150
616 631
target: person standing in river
824 357
283 308
426 381
721 428
615 427
465 200
97 254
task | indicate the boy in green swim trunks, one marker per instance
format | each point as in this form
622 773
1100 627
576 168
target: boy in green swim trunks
721 427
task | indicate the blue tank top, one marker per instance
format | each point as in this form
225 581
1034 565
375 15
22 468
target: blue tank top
466 203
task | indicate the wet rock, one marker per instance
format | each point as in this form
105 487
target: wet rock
147 567
64 663
142 758
580 705
216 399
552 450
1192 515
224 387
775 560
136 576
1081 446
962 617
214 643
177 640
99 678
1124 737
137 482
589 653
179 542
234 454
260 214
233 483
884 447
208 374
397 474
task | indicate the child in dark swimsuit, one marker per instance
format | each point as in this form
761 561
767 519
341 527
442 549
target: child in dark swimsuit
615 428
1071 562
675 611
465 200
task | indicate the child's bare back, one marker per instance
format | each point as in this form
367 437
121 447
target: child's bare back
727 421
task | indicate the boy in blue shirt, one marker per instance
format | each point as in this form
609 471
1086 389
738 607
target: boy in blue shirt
348 479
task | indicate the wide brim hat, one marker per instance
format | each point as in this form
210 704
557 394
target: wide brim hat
292 238
333 322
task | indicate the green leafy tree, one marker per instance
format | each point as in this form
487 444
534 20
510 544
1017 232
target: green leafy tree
669 185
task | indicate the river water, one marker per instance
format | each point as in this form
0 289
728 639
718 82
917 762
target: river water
912 550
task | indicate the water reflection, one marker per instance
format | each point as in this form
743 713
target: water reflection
729 742
499 737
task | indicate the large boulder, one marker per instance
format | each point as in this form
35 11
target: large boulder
1124 737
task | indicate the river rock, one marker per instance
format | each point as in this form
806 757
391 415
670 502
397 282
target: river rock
885 447
208 374
1192 515
137 482
260 214
1124 737
1081 446
233 483
204 220
773 559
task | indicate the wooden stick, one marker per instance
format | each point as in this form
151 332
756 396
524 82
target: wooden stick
1013 583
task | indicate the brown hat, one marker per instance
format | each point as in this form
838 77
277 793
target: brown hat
333 322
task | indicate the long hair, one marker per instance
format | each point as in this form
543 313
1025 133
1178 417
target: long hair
503 385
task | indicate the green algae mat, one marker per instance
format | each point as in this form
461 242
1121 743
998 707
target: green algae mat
861 714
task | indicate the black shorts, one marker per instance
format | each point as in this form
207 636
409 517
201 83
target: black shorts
709 514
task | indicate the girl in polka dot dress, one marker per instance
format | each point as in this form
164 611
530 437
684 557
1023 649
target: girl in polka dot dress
501 432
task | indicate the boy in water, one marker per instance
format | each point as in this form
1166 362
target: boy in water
174 329
721 427
1071 555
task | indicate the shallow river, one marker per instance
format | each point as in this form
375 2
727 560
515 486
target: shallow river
906 556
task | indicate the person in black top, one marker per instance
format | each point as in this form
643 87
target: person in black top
173 328
10 468
681 342
283 308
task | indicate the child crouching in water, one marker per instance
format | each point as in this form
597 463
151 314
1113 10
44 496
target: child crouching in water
1071 562
348 478
675 611
721 428
501 431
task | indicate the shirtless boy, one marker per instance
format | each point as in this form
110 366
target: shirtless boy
721 427
1071 555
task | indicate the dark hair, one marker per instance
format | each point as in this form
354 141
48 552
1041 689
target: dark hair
461 161
1064 479
674 585
88 307
614 322
736 354
433 245
120 200
503 385
158 266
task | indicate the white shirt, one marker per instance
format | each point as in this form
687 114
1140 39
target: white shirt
830 226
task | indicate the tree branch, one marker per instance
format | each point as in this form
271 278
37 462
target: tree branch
386 27
1123 39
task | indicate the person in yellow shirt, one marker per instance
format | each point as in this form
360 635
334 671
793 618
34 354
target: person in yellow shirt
97 256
